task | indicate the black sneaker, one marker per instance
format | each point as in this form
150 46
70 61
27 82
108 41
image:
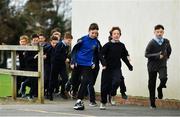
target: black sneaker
124 96
79 105
160 93
153 106
50 97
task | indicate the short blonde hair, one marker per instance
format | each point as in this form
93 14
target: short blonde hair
56 33
24 37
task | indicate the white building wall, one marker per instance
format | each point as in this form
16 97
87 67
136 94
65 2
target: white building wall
136 18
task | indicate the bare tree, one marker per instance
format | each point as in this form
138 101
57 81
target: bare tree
65 6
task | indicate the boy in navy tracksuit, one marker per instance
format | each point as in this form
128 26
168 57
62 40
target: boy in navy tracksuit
49 50
83 63
112 77
31 64
58 65
158 52
24 40
56 32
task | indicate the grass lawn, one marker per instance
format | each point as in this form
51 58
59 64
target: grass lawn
5 85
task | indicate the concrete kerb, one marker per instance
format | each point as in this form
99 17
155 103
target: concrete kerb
132 100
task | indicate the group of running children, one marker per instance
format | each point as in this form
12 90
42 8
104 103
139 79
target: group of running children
84 60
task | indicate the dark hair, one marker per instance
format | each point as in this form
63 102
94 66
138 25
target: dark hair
55 30
93 26
68 35
159 26
35 36
110 32
54 38
41 34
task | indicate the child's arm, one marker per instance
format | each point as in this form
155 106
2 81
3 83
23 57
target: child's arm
68 59
98 56
125 59
150 55
46 48
168 48
30 55
75 50
60 53
103 53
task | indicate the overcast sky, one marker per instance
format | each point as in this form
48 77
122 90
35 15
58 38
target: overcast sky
18 3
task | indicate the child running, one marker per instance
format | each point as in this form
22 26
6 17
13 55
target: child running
112 77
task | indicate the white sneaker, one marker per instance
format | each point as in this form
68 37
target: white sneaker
93 104
113 102
78 101
79 105
102 106
23 95
30 98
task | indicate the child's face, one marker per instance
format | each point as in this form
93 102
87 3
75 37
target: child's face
23 42
42 39
67 41
53 43
57 34
116 35
159 33
93 34
35 41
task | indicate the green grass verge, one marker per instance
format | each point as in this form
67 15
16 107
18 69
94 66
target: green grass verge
5 85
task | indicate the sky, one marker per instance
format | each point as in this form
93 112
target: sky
18 3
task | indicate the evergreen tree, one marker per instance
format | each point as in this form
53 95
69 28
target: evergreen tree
36 16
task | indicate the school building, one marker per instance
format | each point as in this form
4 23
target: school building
137 19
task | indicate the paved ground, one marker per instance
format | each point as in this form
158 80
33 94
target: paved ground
64 108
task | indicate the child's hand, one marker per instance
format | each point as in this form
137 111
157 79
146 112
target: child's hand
72 66
103 67
161 55
35 57
93 66
130 68
44 56
67 60
128 57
